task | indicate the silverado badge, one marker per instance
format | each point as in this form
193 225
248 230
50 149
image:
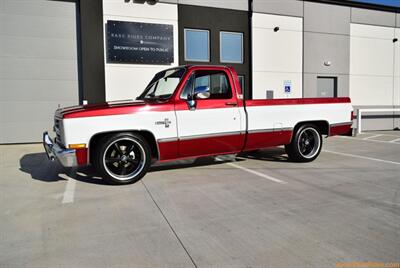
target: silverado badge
166 122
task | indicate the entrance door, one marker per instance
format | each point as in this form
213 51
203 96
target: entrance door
213 126
326 87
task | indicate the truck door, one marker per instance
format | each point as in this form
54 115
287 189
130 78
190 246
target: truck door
208 115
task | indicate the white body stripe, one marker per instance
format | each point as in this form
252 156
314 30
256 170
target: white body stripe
205 121
80 130
210 121
287 116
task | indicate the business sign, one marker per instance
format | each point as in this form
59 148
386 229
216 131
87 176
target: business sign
141 43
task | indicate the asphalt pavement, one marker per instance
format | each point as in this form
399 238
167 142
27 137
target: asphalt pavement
256 210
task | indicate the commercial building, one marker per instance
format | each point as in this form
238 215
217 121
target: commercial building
60 53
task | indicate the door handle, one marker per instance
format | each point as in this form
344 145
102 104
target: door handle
231 103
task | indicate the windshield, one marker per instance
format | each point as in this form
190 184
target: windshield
163 85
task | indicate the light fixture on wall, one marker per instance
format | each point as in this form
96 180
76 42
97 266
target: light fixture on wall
276 29
150 2
327 63
395 40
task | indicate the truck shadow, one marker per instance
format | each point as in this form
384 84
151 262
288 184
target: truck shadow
275 154
195 162
40 168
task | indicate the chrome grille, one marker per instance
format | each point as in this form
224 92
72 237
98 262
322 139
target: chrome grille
57 129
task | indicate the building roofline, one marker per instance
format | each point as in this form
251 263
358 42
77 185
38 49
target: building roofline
359 5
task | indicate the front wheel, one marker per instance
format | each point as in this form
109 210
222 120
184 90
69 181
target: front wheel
306 144
122 158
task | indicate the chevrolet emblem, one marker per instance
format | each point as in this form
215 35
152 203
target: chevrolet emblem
166 122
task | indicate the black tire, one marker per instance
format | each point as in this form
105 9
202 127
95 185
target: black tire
122 158
306 144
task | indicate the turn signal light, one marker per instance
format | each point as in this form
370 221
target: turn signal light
77 146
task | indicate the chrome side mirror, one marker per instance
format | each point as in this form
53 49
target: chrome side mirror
201 93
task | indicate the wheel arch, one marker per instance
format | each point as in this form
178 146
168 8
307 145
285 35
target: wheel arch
146 134
322 125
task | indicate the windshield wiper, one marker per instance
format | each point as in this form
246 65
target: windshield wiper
156 98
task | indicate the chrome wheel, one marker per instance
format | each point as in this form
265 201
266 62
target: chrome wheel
124 158
309 142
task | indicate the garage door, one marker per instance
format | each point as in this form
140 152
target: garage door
38 66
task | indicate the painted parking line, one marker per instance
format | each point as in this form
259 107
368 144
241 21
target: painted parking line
367 140
362 157
69 193
372 137
395 140
262 175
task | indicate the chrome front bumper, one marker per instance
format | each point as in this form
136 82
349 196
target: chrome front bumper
67 157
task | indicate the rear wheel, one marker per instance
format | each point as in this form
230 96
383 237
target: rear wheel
122 158
306 144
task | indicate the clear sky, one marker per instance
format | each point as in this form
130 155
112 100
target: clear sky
395 3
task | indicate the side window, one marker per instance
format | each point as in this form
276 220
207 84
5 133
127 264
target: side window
202 80
217 82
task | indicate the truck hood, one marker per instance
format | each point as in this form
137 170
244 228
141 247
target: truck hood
104 109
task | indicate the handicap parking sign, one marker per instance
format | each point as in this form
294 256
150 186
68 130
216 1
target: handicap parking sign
287 85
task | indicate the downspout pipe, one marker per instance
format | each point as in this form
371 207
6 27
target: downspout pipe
250 17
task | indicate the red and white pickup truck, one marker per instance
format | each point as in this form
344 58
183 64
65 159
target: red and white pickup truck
186 112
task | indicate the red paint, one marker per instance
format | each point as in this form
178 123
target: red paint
340 130
81 156
129 107
267 139
271 102
221 145
105 110
181 104
197 147
211 145
168 150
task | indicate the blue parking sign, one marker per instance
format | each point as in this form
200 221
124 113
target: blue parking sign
287 85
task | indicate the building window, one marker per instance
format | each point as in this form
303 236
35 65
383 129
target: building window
241 81
231 47
197 45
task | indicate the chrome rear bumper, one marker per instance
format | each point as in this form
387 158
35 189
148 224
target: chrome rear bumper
67 157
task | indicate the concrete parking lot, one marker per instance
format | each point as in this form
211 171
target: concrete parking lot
257 210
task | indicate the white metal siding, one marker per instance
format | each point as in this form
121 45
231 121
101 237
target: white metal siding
277 56
372 65
397 69
38 66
